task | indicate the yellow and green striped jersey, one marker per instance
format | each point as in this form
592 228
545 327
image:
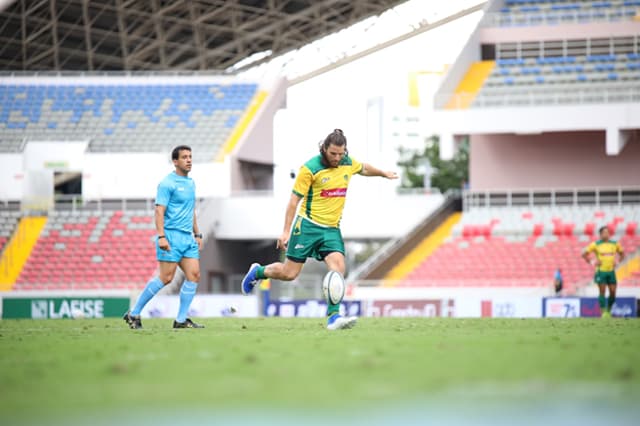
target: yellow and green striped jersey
606 253
324 189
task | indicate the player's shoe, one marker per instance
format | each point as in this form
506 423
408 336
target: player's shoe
133 321
338 322
250 280
187 324
606 314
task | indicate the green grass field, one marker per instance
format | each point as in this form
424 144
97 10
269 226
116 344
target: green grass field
60 370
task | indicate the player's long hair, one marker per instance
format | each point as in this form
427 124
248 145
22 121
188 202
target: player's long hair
336 138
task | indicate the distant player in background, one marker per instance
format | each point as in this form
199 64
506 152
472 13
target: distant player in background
558 281
321 184
179 240
605 251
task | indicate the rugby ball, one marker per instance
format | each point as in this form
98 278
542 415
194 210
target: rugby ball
333 287
77 313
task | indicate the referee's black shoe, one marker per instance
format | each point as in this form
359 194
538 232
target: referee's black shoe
133 321
187 324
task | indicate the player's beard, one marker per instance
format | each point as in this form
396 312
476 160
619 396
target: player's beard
327 162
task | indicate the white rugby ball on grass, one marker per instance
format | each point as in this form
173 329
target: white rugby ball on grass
77 314
333 287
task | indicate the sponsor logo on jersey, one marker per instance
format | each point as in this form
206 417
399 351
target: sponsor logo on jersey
299 246
334 193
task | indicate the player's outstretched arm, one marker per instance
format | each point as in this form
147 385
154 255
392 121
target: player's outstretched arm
288 221
369 170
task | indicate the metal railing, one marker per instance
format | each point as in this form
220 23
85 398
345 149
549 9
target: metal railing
162 73
550 197
555 17
538 98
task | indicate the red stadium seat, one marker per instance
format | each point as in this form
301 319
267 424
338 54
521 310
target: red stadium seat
52 267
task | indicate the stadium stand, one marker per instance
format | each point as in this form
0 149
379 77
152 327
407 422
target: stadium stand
554 12
512 246
595 71
123 117
92 250
8 222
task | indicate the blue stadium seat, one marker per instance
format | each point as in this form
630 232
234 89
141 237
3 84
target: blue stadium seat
605 67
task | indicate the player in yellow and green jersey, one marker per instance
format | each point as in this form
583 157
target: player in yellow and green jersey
320 190
605 251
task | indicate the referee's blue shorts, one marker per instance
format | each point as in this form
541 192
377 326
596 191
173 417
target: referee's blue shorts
182 244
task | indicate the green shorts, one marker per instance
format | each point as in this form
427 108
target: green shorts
608 277
311 240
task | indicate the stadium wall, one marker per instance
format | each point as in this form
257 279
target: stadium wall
550 160
114 175
470 53
490 35
255 147
11 176
366 215
130 175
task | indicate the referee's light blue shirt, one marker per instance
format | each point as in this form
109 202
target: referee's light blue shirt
178 194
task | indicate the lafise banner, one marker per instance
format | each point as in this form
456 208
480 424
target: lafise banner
63 307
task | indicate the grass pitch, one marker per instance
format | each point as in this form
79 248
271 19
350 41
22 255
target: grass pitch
60 370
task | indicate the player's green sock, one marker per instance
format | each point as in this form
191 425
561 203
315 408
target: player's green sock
612 300
332 309
260 273
603 303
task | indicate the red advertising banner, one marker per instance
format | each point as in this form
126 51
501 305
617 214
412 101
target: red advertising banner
411 308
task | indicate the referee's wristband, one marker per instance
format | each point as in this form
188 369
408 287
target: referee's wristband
161 236
198 236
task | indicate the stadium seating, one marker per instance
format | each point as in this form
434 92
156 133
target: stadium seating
92 250
8 222
524 246
123 118
553 12
562 80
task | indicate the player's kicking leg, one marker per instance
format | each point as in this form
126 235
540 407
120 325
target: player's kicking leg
251 279
287 271
335 321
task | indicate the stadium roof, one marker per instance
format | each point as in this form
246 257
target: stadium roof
178 35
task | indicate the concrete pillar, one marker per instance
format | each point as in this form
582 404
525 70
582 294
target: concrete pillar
447 146
616 140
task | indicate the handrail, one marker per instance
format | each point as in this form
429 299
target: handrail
622 195
366 266
595 94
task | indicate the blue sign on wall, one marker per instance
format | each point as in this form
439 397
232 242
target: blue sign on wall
310 308
626 307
